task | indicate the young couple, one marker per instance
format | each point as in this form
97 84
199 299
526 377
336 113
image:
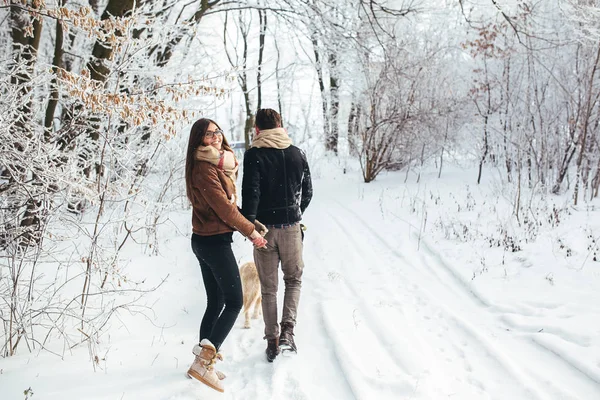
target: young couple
276 189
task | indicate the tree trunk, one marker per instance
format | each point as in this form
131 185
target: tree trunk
485 148
352 128
249 123
25 50
442 151
564 168
595 182
586 121
319 69
57 63
486 116
278 81
99 71
242 76
504 122
333 137
261 47
102 52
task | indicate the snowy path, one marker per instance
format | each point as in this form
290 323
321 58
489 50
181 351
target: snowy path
409 327
383 316
380 319
442 337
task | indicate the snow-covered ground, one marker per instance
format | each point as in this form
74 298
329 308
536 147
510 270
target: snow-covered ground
411 291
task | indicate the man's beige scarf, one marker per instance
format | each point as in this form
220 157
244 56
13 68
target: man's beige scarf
225 161
276 138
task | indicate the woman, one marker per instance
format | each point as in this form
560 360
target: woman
210 173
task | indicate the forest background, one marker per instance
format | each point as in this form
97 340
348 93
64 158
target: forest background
97 98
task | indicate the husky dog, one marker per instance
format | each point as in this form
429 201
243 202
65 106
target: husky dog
251 289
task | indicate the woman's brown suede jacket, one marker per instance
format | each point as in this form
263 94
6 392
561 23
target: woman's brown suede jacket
213 212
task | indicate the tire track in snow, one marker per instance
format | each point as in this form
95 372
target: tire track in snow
370 373
464 288
328 338
498 359
567 364
443 274
579 366
384 337
421 374
361 357
325 335
518 324
366 364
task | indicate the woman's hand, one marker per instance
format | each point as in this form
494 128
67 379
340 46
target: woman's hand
257 240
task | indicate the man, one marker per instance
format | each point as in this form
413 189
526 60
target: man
276 189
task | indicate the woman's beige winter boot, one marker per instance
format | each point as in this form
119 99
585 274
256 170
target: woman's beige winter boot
202 368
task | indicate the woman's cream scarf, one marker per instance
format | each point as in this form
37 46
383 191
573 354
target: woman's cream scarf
276 138
224 160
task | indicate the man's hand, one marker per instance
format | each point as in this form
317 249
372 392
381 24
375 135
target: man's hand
260 228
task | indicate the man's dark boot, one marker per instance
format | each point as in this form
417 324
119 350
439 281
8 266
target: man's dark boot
272 349
286 338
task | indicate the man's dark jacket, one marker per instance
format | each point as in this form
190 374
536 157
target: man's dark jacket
276 187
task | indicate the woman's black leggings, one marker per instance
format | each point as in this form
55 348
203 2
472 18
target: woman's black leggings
223 288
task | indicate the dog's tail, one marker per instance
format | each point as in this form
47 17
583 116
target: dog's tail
247 299
246 274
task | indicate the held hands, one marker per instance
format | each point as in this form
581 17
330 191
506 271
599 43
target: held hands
257 240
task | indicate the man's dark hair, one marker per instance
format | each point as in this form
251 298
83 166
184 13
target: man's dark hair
267 118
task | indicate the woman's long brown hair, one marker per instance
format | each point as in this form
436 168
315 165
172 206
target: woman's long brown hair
197 134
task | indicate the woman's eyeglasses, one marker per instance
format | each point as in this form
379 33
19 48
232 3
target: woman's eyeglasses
212 134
